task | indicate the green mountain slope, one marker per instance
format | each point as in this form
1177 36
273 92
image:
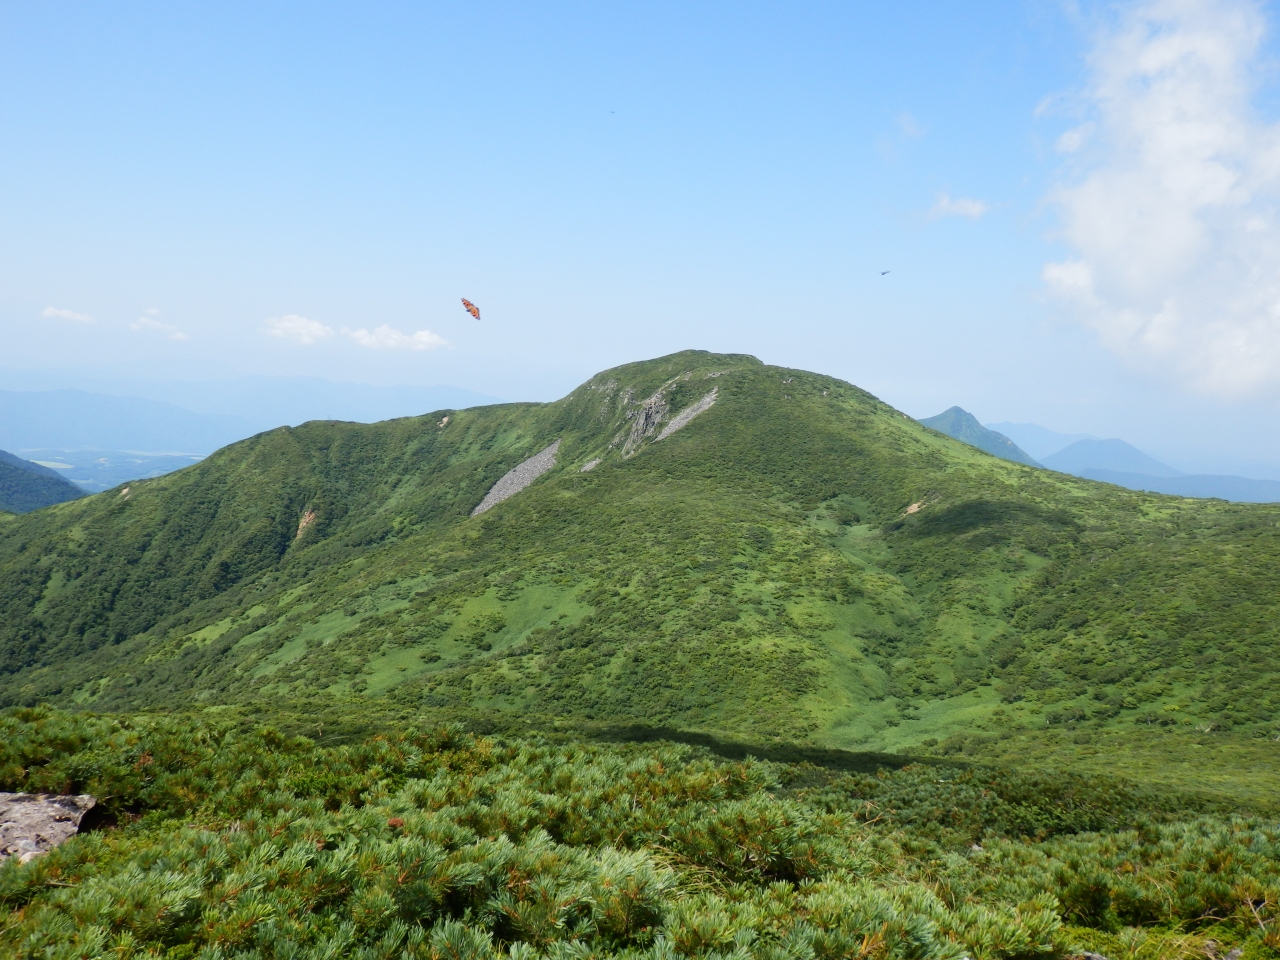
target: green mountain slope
963 425
799 560
27 486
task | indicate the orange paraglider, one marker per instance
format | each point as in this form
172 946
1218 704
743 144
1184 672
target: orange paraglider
471 308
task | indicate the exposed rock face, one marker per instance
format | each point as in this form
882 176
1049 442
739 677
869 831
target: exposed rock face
517 478
646 421
685 415
35 823
590 465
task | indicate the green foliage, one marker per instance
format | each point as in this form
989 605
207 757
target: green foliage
236 841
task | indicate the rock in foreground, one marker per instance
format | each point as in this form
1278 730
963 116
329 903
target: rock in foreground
35 823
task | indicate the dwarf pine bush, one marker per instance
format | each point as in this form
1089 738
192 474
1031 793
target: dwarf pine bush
251 845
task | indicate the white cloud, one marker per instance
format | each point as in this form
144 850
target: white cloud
1173 202
299 329
959 207
1072 140
388 338
61 314
151 324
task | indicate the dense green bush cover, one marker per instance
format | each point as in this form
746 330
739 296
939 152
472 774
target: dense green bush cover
241 842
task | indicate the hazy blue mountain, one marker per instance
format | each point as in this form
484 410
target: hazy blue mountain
27 486
254 403
1223 487
1038 441
962 425
270 402
1114 455
77 420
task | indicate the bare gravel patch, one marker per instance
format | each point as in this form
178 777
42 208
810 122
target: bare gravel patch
519 477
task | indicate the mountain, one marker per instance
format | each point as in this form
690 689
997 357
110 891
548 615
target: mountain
247 405
77 420
1038 441
699 542
27 486
1114 455
964 426
266 402
1117 462
1223 487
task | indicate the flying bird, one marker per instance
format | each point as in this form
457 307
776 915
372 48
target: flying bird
882 273
471 308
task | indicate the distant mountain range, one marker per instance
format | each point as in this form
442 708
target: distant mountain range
1038 441
1111 455
27 486
44 411
1222 487
1109 461
962 425
77 420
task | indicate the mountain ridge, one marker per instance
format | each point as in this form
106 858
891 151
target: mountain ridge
799 560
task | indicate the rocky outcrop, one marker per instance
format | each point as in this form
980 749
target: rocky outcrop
645 421
517 478
591 465
35 823
685 415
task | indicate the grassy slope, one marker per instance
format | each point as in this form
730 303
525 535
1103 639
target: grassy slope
755 574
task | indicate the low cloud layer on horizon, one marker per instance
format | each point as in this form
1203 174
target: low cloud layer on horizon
1171 197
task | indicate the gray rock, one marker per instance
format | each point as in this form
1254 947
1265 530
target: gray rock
646 421
35 823
685 415
517 478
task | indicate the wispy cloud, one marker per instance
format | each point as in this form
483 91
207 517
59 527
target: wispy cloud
386 337
298 329
909 127
57 313
148 323
957 207
1171 202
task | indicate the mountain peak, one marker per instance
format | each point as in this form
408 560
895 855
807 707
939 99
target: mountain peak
1114 455
960 424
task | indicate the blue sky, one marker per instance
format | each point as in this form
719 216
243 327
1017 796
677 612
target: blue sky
309 189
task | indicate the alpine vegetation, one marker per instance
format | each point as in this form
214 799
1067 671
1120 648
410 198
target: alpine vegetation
235 839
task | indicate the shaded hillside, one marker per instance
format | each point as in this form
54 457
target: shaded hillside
963 425
799 560
27 486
